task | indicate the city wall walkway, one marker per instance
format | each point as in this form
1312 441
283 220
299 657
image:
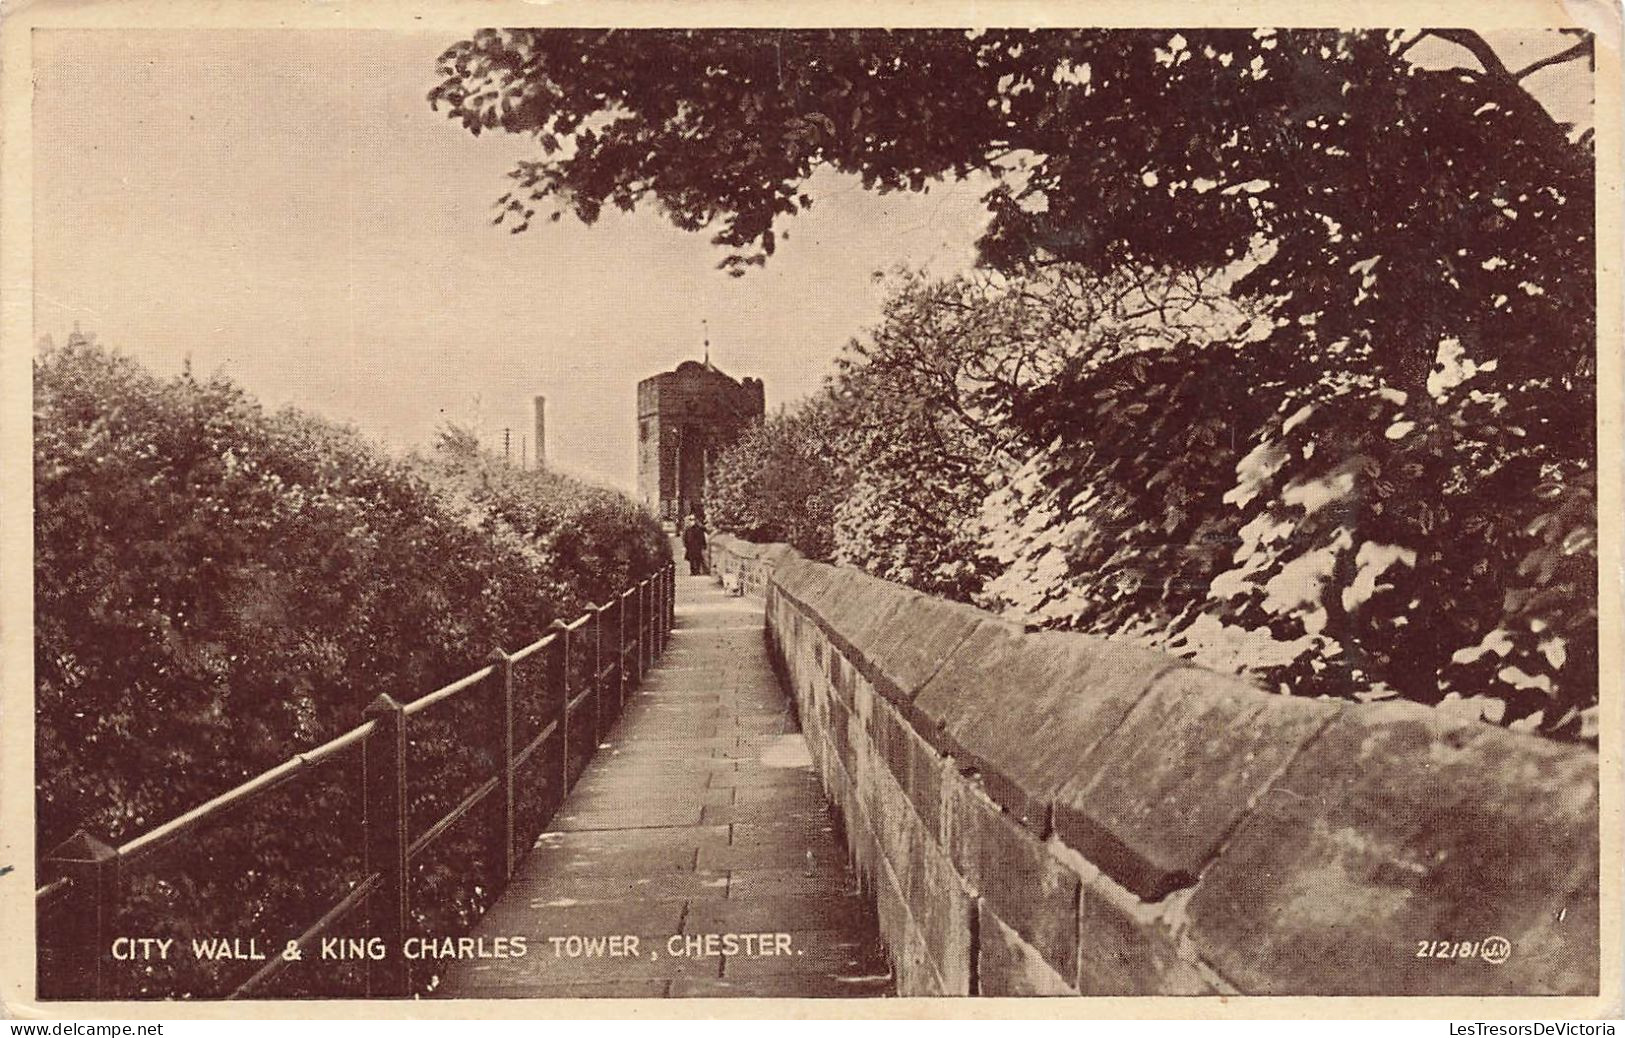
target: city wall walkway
696 856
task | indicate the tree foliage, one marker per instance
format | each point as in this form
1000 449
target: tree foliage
1384 473
218 588
1335 546
1114 147
933 392
781 479
1105 455
1403 205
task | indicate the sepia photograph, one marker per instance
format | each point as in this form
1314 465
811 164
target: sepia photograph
853 510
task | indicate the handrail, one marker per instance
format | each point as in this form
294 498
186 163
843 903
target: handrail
265 781
536 646
422 703
52 889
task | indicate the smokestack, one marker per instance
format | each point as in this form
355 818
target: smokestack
541 430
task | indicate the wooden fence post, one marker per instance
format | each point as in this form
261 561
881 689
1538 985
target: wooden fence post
92 867
502 715
386 822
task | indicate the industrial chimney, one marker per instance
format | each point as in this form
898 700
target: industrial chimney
541 425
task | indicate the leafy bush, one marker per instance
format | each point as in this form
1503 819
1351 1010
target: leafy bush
923 398
1131 456
1338 547
781 479
591 542
218 587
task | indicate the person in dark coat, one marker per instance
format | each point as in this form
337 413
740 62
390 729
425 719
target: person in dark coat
694 546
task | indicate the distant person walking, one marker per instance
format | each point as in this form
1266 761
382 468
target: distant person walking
694 546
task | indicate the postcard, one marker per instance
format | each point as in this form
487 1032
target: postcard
1081 509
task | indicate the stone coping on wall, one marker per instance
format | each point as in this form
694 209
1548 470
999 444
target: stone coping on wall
1122 822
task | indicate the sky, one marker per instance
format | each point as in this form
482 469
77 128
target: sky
284 208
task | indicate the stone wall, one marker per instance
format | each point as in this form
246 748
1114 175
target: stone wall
1048 813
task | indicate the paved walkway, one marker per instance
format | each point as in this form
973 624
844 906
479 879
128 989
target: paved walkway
697 855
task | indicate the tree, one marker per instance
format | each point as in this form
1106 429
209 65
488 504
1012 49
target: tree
781 479
933 391
1401 206
927 394
1420 237
1093 454
218 587
1367 171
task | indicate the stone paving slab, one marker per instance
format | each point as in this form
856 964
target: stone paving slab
588 861
538 921
766 856
823 912
696 857
803 830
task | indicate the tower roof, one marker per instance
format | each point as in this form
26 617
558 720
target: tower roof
695 368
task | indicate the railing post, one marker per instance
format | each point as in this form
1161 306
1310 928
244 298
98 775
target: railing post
643 628
634 639
385 819
502 679
659 617
656 607
92 867
558 680
599 727
622 679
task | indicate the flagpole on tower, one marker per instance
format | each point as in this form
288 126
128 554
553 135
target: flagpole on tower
705 324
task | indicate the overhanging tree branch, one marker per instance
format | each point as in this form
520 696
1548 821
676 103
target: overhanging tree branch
1583 48
1508 84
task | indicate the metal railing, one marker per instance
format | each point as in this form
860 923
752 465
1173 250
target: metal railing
614 645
